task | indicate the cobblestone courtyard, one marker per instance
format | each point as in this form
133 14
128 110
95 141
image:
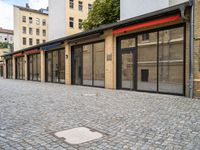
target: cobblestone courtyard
31 112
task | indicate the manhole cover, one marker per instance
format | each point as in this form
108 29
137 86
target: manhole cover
78 135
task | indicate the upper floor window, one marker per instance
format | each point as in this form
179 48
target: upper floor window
145 37
37 21
71 22
23 18
24 30
30 41
24 41
30 31
37 31
44 41
80 5
89 7
44 32
30 20
71 3
37 41
80 23
44 22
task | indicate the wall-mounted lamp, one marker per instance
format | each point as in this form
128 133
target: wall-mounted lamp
67 56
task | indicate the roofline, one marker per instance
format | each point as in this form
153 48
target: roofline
116 25
30 10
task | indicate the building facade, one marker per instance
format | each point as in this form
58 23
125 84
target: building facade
6 35
133 8
30 27
68 15
155 52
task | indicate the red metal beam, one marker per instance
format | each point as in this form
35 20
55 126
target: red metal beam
34 51
160 21
18 55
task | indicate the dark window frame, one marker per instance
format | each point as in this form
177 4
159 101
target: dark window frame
183 25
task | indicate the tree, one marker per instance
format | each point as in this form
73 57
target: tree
6 45
103 12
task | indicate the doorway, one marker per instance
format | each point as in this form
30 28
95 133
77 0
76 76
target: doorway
127 72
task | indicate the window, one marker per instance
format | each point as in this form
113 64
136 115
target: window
171 61
30 20
30 31
37 31
145 37
71 3
23 18
89 7
30 41
37 21
44 32
24 41
44 41
44 22
144 75
87 64
147 63
80 6
37 41
24 30
80 23
71 22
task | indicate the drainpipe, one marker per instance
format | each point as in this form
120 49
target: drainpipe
191 44
191 50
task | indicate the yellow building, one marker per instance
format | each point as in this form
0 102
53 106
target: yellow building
30 27
66 16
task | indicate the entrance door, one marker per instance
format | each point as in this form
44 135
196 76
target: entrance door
77 66
127 64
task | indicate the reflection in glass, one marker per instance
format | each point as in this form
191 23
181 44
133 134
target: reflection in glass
20 67
9 68
62 66
147 63
99 64
127 69
77 66
171 46
87 64
128 43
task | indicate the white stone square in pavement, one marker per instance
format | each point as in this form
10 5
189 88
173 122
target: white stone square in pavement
78 135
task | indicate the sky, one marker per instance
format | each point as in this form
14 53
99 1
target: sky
6 10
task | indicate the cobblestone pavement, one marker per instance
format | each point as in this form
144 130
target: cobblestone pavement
31 112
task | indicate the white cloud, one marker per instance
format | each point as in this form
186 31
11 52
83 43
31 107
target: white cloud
6 15
37 4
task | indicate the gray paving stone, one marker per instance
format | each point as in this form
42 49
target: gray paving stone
31 112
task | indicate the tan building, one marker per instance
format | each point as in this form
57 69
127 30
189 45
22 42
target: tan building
68 15
156 52
30 27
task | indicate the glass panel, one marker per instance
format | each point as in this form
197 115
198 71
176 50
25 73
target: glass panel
34 67
127 69
128 43
171 47
77 65
30 68
39 67
49 67
55 66
147 63
87 64
99 64
62 66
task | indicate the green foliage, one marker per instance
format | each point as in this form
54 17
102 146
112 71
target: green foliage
6 45
103 12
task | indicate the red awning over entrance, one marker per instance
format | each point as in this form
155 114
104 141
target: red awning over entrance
160 21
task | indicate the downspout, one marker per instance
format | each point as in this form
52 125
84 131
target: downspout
191 45
191 50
